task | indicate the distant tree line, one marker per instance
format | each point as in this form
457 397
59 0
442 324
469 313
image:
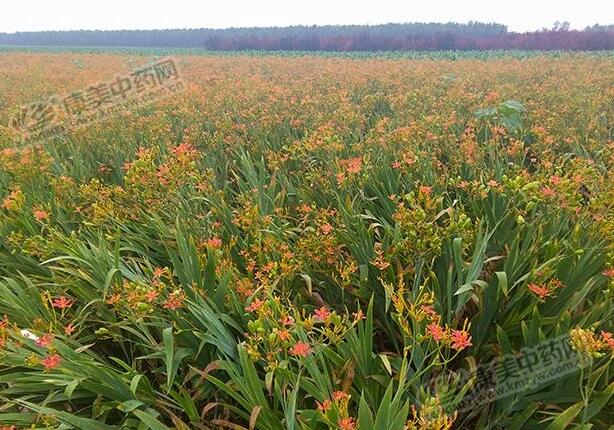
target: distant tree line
386 37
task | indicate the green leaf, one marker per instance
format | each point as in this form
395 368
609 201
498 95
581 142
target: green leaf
149 420
566 417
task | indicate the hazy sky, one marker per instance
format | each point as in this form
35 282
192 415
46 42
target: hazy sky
519 15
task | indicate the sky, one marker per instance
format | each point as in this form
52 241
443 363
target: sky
518 15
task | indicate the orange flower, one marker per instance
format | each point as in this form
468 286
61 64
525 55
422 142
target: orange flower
283 335
174 301
184 149
254 305
63 302
301 349
327 228
69 329
215 242
286 320
151 295
429 311
45 341
347 424
158 272
548 192
51 361
324 406
426 190
114 299
305 208
12 200
436 331
322 314
607 338
340 395
41 215
354 165
460 339
609 272
539 290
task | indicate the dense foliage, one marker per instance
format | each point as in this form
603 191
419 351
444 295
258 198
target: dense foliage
387 37
308 243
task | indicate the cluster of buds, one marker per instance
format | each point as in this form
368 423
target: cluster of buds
431 416
143 298
589 344
334 411
14 201
278 331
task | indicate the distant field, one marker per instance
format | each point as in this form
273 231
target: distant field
450 54
292 241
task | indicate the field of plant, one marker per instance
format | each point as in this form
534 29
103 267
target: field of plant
312 243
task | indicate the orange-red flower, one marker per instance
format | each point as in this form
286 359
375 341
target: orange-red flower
174 301
547 192
215 242
63 302
607 338
540 291
347 424
283 335
354 165
301 349
69 329
426 190
340 395
115 298
254 305
322 314
436 331
286 320
45 341
41 215
151 295
51 361
324 406
429 311
460 339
